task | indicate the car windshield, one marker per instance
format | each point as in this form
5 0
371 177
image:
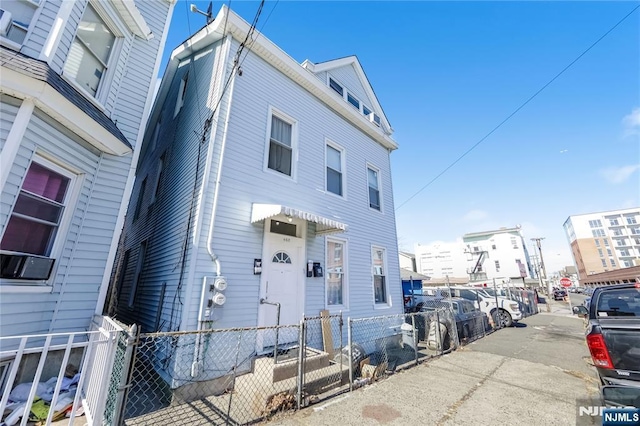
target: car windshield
619 303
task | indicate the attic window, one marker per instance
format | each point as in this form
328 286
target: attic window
353 101
366 111
335 86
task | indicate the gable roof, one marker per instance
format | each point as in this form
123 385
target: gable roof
112 141
352 61
228 22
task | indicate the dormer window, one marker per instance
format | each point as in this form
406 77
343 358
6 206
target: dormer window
90 52
336 86
353 101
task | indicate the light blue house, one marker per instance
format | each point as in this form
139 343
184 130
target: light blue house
260 180
76 88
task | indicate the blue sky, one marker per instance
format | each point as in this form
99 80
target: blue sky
446 73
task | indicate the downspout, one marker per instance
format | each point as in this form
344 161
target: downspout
214 257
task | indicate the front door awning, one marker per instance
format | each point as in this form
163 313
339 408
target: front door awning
324 225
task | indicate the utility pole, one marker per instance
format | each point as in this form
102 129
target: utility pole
543 269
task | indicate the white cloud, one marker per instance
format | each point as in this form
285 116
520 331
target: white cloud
631 123
475 215
617 175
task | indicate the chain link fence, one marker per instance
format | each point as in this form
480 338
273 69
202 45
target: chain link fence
245 375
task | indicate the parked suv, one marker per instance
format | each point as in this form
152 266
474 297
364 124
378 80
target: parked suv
507 311
469 319
559 294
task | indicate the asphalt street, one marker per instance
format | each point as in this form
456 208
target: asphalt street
532 374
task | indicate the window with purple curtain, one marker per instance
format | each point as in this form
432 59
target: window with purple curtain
37 213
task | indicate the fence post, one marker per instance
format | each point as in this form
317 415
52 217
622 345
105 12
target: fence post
301 352
133 339
415 336
439 334
349 351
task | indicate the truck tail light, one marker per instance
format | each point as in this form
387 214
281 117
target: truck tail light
599 351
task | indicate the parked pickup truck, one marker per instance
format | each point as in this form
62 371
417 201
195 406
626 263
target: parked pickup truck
613 333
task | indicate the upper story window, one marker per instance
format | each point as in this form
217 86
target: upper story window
613 222
281 145
91 51
631 220
182 91
156 191
595 223
335 160
15 19
143 187
373 181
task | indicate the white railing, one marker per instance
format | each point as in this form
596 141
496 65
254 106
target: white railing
88 388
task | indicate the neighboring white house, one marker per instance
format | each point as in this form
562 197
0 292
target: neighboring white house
500 254
407 261
260 179
441 259
75 83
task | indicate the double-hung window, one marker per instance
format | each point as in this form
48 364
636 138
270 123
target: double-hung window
335 161
380 290
281 146
38 211
90 51
336 268
373 181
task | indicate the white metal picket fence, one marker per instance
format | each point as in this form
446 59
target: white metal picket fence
56 389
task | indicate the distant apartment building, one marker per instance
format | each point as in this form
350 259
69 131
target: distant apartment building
441 259
604 241
500 254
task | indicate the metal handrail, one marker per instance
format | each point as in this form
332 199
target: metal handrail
264 301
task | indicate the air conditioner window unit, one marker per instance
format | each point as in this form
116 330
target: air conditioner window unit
5 22
25 267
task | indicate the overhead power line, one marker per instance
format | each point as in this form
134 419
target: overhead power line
474 146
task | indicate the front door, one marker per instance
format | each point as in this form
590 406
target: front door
282 279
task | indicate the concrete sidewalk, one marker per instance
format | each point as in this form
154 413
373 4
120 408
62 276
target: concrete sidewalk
527 375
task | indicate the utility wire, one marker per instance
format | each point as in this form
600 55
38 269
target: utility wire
474 146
